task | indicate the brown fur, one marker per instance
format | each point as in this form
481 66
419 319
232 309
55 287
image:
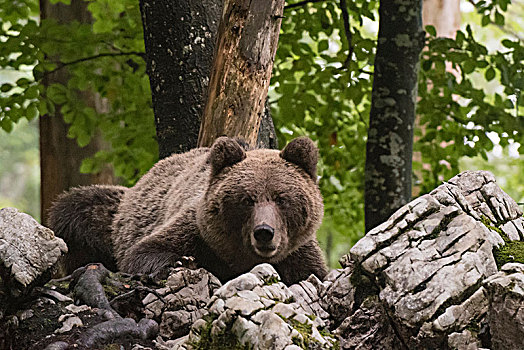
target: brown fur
207 203
83 218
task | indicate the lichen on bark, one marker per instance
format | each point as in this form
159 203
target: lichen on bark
390 136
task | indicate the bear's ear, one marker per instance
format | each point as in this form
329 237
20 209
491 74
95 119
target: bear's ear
302 152
225 152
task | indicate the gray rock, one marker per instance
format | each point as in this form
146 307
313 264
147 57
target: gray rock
464 340
237 312
506 307
186 301
429 260
28 251
70 321
77 309
368 328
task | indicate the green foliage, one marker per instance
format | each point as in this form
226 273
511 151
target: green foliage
318 91
98 63
456 111
19 169
321 87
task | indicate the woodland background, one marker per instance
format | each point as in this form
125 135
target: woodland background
469 111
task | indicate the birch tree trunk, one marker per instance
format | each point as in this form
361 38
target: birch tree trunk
389 147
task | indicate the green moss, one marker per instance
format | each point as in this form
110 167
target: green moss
271 280
112 347
306 331
223 340
473 327
512 251
490 225
111 291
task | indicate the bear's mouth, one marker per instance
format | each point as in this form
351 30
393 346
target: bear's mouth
265 251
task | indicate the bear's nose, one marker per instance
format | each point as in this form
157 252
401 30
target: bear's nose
264 233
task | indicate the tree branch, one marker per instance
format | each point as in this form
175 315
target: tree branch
347 31
94 57
301 3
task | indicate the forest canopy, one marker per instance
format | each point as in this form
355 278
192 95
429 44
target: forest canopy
469 93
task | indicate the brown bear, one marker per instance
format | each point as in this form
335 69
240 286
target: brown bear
229 208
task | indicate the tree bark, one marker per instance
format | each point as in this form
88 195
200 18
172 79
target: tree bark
180 40
60 156
389 146
445 16
244 55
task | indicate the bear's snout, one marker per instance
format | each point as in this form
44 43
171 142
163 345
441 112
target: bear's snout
264 233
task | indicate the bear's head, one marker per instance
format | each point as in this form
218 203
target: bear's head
260 205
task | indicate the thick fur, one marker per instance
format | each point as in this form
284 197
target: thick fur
206 203
83 218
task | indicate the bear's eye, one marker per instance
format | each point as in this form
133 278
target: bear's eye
248 201
280 200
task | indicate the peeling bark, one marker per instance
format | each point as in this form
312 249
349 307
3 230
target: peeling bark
389 147
245 52
180 42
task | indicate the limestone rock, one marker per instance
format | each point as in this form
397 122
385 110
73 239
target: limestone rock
238 315
506 307
429 260
182 301
28 251
368 328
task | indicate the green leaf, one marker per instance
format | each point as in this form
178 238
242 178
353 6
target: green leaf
499 19
460 37
323 45
23 82
83 139
6 124
32 112
510 44
57 93
468 66
431 30
32 92
485 20
6 87
490 74
426 65
87 166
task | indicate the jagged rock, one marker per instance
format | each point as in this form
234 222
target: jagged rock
28 252
368 328
464 340
182 301
238 317
506 307
425 279
430 258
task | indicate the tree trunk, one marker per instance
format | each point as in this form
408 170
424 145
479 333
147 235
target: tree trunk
240 75
444 15
180 40
389 146
60 156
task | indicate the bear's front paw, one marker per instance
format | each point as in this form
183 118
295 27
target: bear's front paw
163 272
187 262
